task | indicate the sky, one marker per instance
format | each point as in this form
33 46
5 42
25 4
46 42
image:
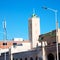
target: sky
17 12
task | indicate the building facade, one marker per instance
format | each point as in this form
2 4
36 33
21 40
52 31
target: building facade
16 46
38 47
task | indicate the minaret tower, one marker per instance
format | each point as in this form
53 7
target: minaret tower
34 29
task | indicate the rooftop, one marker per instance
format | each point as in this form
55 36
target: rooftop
50 37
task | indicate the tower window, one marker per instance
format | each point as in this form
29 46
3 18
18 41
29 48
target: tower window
4 43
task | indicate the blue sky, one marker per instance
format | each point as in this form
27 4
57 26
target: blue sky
17 12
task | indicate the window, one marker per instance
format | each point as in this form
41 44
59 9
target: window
41 38
36 58
4 43
19 44
14 43
13 58
54 42
20 58
25 58
49 43
16 59
31 58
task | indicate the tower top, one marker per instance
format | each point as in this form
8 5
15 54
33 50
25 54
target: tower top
34 15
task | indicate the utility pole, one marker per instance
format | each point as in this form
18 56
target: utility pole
5 35
55 11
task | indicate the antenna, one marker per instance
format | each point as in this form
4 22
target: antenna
33 11
4 27
4 24
34 15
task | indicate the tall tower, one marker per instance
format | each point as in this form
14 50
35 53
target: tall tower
34 29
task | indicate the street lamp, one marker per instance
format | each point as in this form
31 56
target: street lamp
55 11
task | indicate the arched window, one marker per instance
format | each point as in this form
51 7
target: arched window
16 59
20 58
25 58
50 56
36 58
31 58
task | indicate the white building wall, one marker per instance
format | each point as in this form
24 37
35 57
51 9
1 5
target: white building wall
24 47
4 50
18 39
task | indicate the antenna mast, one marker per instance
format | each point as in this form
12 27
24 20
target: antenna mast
33 11
5 32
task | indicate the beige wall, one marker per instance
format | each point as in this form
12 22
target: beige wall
34 30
